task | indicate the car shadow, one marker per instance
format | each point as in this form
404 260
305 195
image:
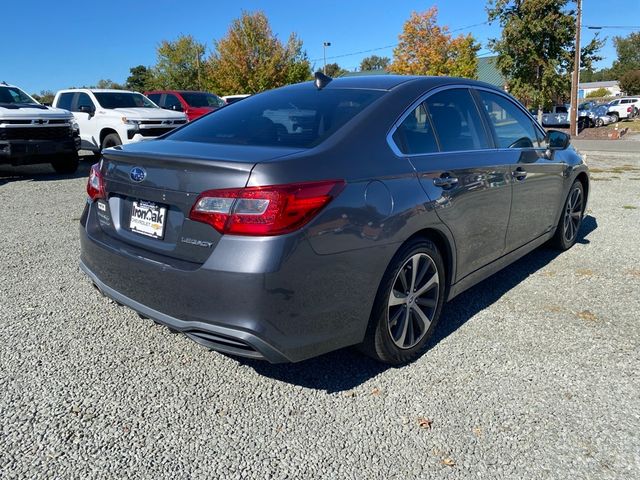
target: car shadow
346 369
42 172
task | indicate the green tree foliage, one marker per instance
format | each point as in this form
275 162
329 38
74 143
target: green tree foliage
535 51
251 59
334 70
599 93
108 83
630 82
45 97
374 62
425 48
180 64
588 75
140 79
628 50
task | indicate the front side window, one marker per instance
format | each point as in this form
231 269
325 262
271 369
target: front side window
513 128
172 102
123 100
202 99
154 97
415 134
14 95
83 101
456 120
290 117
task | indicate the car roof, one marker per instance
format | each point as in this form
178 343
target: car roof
97 90
389 82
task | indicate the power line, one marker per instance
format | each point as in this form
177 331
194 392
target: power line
620 27
393 45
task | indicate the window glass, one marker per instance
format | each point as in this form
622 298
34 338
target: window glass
123 100
456 120
202 99
172 102
83 101
14 95
292 117
154 97
65 101
415 135
513 128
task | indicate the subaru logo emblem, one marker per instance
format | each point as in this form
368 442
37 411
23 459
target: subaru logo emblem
137 174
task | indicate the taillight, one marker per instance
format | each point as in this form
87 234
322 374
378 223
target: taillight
95 183
629 109
270 210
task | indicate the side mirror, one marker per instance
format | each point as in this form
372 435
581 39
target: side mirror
556 140
176 108
87 109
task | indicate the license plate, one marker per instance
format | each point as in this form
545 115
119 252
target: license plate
148 218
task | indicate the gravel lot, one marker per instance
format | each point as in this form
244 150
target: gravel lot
533 374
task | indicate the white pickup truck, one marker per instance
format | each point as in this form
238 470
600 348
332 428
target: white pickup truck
32 133
114 117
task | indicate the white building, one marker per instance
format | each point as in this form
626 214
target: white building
586 88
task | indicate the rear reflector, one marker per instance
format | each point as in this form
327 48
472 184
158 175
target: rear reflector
95 183
270 210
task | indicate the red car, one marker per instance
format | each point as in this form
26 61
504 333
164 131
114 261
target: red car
194 104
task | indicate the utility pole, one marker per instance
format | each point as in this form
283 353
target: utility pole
576 74
324 51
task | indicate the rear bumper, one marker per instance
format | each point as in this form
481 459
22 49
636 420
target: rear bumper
25 152
268 298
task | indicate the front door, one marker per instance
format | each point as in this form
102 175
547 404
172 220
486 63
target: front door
84 111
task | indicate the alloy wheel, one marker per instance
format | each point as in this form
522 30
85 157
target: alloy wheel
572 215
413 300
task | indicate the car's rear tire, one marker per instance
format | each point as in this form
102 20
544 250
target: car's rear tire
402 322
571 218
66 165
599 122
111 140
615 116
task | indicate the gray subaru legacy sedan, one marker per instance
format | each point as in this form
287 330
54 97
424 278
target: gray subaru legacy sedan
327 214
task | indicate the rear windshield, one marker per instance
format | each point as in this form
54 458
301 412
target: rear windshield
288 117
123 100
202 99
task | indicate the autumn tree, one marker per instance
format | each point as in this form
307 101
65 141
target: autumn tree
630 82
425 48
179 64
535 51
251 58
140 79
374 62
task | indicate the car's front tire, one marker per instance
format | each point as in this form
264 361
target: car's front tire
111 140
66 165
408 304
571 218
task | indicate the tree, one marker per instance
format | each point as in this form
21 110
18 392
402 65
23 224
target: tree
179 65
535 51
374 62
334 70
628 50
45 97
599 93
141 79
251 59
108 83
630 82
428 49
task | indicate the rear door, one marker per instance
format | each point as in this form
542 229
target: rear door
537 181
446 141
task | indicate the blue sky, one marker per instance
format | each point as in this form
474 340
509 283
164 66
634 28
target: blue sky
79 42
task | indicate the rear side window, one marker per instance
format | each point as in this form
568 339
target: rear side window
64 101
290 117
513 128
415 134
154 97
456 120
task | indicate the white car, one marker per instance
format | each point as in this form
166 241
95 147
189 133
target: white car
621 108
229 99
33 133
114 117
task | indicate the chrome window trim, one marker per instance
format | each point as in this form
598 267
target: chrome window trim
398 153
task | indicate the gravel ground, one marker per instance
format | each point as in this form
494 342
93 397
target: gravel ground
532 374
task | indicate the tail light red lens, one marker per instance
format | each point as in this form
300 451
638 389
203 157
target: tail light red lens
95 183
271 210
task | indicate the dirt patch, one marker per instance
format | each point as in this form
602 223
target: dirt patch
587 315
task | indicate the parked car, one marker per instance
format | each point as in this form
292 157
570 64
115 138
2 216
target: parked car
229 99
558 116
594 115
193 104
32 133
622 108
353 228
114 117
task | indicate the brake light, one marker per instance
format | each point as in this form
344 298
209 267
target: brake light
629 109
95 183
269 210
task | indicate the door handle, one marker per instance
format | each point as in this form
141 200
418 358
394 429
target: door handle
520 174
445 181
